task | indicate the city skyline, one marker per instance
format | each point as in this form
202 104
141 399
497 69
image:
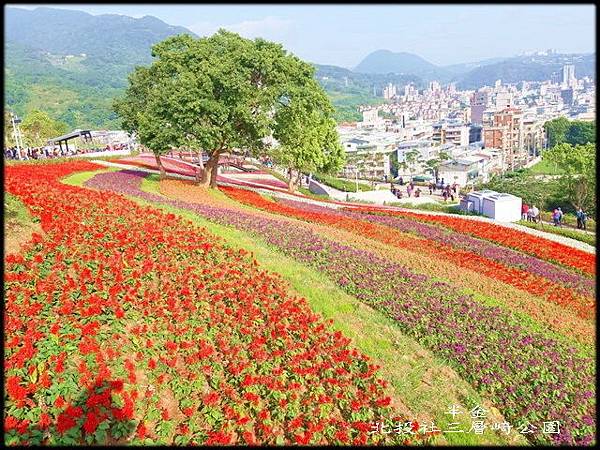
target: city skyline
359 29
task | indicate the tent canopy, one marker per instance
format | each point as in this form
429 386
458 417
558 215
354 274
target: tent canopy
86 134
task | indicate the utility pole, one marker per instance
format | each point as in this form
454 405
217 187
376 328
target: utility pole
16 132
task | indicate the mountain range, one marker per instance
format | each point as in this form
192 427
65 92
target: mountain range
537 67
71 64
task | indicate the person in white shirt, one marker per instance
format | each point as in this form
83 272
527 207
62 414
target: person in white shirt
534 213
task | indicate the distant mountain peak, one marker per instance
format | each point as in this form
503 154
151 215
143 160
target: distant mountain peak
386 61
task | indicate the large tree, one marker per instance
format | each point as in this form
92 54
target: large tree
142 111
38 127
412 160
556 130
305 130
580 133
433 164
579 165
217 94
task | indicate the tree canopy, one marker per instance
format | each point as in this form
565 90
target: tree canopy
38 127
561 130
225 93
580 133
412 159
306 130
579 165
433 164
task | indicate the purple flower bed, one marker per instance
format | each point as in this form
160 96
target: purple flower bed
582 284
530 376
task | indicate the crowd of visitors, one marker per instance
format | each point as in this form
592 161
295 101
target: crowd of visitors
532 214
54 152
448 191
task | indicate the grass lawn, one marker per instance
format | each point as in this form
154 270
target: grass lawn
18 224
423 385
567 232
545 168
342 185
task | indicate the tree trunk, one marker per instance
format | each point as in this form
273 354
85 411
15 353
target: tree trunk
200 162
291 181
214 173
161 168
209 175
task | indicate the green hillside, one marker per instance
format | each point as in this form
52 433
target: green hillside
527 68
72 64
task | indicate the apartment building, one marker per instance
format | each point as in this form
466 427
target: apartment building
454 132
507 133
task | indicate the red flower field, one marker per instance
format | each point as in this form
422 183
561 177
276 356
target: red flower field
124 324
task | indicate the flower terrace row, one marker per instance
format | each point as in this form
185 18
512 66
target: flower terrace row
584 285
556 293
526 243
527 374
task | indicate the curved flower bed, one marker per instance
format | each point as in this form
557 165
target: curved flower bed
584 285
530 376
529 282
543 312
533 245
127 325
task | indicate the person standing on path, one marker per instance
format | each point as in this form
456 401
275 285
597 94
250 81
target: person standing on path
556 216
581 219
534 213
524 211
560 216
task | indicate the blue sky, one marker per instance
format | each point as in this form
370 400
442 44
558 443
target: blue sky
344 34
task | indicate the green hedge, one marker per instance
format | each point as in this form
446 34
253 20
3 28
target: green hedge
341 185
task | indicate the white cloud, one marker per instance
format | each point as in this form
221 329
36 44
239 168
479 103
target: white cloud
203 28
269 27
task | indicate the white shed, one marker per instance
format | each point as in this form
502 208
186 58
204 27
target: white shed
502 207
474 200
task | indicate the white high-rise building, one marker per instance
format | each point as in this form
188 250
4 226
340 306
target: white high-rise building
434 86
389 91
568 78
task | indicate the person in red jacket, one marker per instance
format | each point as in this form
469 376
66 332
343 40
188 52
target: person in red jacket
524 210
